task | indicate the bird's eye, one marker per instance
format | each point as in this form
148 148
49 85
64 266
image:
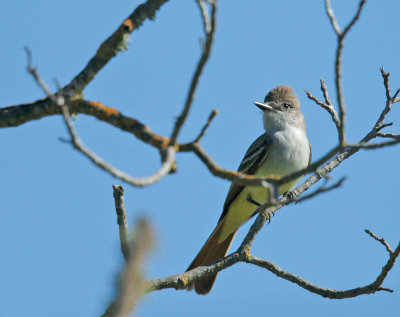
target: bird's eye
287 106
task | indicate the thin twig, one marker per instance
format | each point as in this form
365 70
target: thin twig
327 105
205 127
381 240
209 31
118 193
322 189
384 125
385 77
97 160
332 17
324 90
32 70
180 281
338 62
328 292
373 145
389 100
110 47
388 135
355 18
395 95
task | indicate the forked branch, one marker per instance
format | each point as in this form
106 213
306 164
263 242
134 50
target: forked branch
97 160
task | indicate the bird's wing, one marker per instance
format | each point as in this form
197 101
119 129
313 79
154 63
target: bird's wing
253 159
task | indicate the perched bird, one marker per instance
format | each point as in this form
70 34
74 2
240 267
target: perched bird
281 150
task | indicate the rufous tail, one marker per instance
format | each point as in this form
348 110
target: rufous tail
210 252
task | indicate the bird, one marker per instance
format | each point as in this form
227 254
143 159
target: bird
281 150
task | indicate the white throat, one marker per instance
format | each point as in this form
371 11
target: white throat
290 150
275 121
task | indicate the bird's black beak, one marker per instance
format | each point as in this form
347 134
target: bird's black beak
263 106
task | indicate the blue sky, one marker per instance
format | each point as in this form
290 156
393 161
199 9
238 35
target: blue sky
59 239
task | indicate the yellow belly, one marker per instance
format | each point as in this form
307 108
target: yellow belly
241 210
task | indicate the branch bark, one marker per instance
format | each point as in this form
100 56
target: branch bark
338 62
59 100
118 193
111 46
180 281
209 31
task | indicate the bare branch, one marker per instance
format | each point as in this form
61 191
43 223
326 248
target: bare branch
31 70
327 292
131 285
373 145
385 77
324 90
395 95
322 189
203 130
389 100
338 62
121 220
332 17
180 281
384 125
327 105
381 240
205 17
110 47
16 115
97 160
209 30
267 210
355 18
388 135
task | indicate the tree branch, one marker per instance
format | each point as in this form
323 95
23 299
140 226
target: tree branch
110 47
327 105
380 240
322 189
209 31
180 281
118 193
16 115
97 160
205 127
338 62
328 292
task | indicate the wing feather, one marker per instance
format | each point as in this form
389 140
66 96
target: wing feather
254 157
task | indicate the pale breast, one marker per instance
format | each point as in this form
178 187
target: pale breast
289 152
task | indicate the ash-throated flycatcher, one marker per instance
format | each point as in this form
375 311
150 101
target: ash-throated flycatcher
281 150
